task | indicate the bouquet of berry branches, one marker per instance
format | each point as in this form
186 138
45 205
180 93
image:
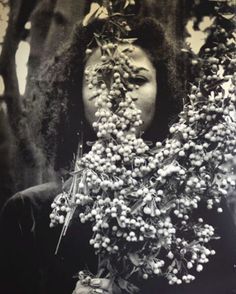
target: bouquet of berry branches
140 199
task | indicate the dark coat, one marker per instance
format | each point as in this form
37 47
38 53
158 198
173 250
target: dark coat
28 263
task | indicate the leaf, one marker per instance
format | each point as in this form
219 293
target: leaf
137 206
134 258
94 7
178 265
153 207
102 264
119 222
227 16
129 2
115 289
67 185
172 266
90 143
97 40
129 40
125 285
102 13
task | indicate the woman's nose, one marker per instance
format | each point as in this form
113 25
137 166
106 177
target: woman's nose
134 94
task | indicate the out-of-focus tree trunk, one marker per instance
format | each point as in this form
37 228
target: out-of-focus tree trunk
7 61
66 14
19 14
51 24
6 182
40 19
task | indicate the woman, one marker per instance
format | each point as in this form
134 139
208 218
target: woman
28 263
63 79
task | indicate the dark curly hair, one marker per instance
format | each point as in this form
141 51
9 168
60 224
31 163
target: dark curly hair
60 89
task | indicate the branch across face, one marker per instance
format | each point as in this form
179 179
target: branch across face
142 84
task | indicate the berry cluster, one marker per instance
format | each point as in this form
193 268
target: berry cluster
141 201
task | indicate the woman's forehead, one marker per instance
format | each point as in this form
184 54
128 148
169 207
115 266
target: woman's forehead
137 56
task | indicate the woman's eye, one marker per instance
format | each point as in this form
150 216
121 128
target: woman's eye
138 81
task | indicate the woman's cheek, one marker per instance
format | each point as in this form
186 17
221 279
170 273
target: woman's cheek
89 106
146 100
147 104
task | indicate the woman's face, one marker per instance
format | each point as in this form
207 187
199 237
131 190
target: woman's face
144 89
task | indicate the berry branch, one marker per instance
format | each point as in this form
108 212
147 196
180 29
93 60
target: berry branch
141 200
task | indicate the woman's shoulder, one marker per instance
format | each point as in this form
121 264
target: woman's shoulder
38 194
28 206
35 196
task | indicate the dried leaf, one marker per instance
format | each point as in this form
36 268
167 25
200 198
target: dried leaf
91 15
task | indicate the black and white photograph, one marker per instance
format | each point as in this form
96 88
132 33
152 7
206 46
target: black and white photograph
117 147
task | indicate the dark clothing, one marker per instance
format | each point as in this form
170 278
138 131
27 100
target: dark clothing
28 263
